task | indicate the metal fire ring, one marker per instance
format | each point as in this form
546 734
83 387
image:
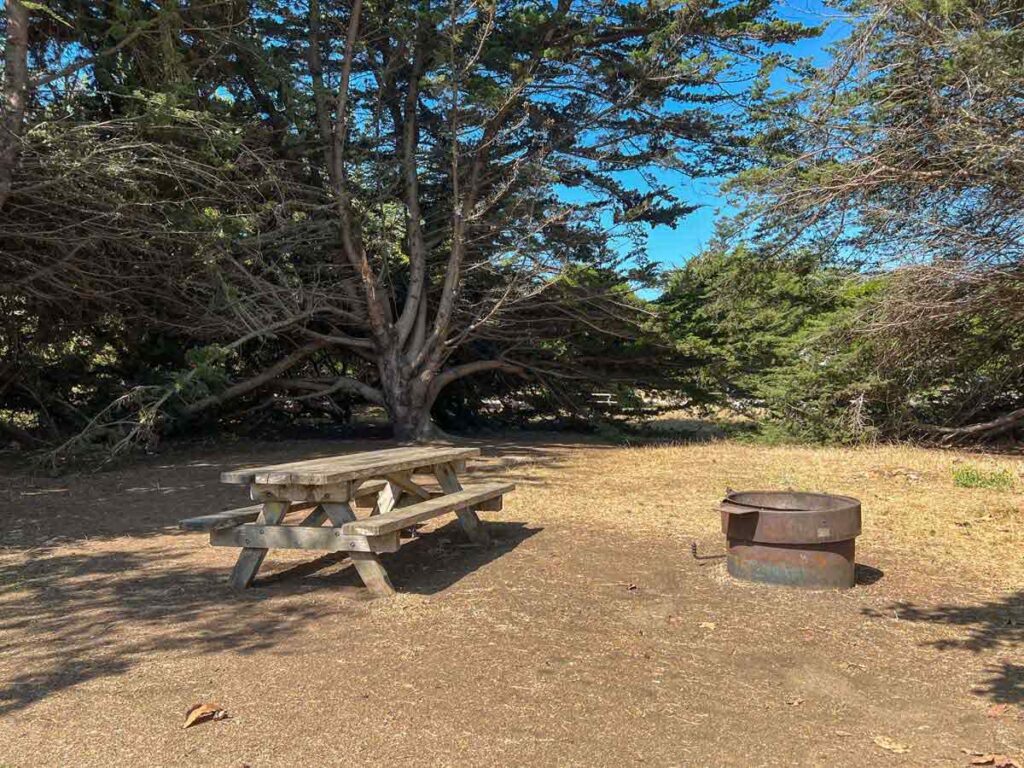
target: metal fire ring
789 537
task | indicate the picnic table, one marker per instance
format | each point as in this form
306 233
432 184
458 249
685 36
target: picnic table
327 490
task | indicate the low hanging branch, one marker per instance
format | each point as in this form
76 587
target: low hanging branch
984 430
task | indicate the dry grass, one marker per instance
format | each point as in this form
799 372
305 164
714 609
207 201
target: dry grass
911 504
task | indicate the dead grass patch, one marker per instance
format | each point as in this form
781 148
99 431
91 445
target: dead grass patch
911 501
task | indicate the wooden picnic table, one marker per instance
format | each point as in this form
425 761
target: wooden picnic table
327 490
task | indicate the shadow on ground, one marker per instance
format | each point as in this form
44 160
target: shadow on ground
424 565
149 497
866 575
991 627
106 613
105 608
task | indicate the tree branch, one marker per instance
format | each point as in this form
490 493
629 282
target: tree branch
449 375
340 384
414 230
244 387
991 428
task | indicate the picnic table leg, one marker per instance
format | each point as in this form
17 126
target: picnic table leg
251 558
367 564
372 573
386 499
315 518
339 512
471 524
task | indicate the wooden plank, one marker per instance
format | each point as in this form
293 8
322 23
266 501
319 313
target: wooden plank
387 499
339 513
358 466
297 492
372 573
335 492
231 517
354 466
263 537
404 517
314 518
227 519
404 481
343 462
251 558
449 481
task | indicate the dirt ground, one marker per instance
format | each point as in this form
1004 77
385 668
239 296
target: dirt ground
587 636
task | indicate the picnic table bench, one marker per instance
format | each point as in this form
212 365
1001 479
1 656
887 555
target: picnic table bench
327 490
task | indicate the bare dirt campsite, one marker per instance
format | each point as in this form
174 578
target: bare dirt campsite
587 634
524 383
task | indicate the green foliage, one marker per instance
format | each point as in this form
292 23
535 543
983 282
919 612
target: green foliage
743 313
823 354
766 333
971 476
907 147
904 160
172 198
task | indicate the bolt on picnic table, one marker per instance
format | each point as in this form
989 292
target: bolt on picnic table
327 489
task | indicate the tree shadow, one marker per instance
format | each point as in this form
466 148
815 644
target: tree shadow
425 564
993 626
663 433
149 497
71 617
77 617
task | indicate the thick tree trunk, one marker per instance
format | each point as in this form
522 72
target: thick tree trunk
15 88
409 399
405 397
414 425
410 414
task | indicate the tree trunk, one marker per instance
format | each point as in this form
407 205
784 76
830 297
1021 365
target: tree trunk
414 425
410 417
409 399
15 88
405 398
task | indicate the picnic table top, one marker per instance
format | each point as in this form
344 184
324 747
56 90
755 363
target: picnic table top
351 466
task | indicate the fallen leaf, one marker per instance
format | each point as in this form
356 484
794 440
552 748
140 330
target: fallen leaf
795 702
199 713
997 710
707 625
842 733
631 587
893 746
997 761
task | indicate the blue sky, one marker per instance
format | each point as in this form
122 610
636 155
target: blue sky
673 247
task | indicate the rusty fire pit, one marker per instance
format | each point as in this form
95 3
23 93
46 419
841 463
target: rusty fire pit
786 537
